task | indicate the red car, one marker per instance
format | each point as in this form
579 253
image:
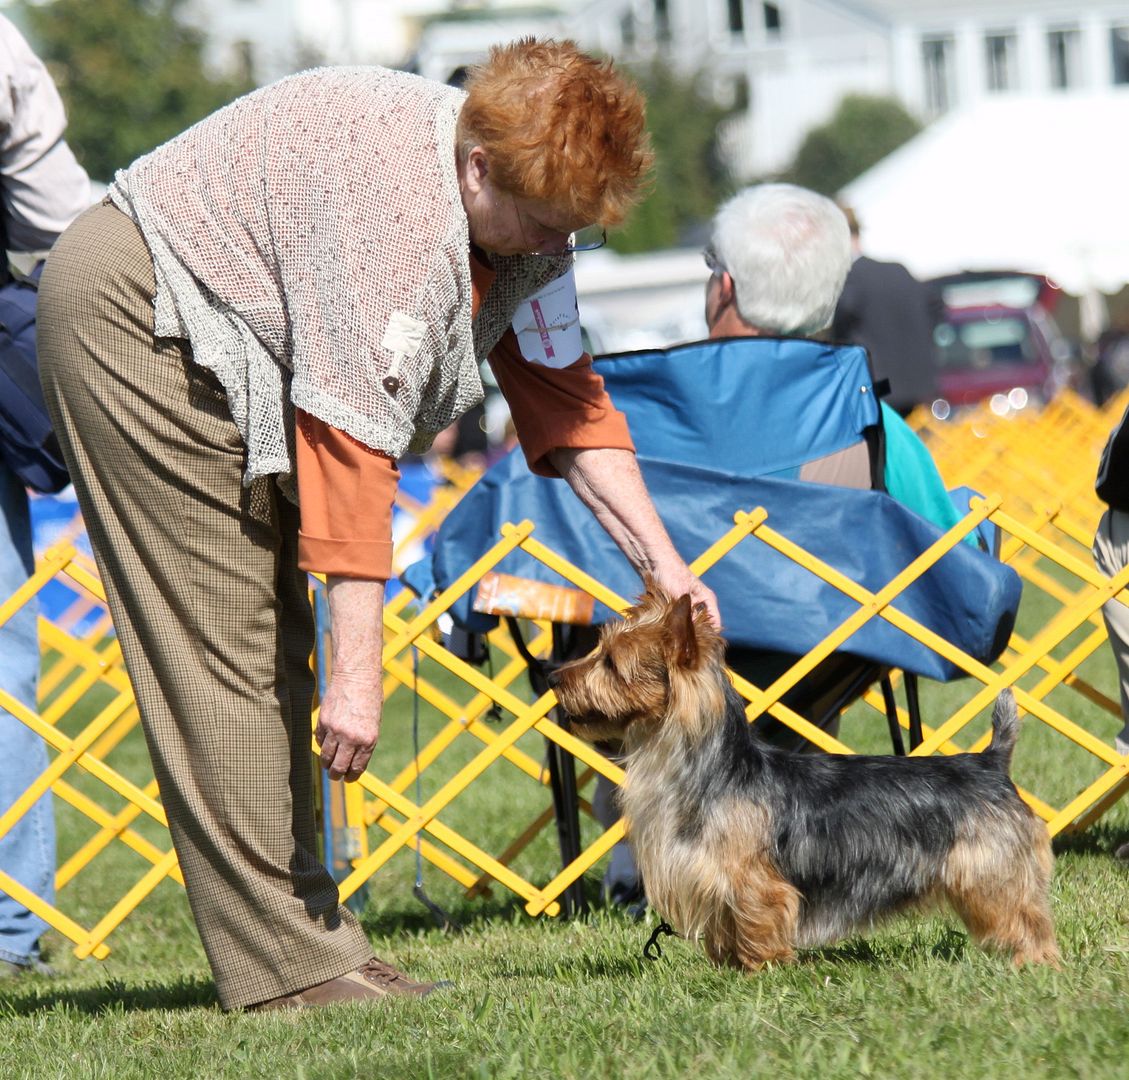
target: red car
998 342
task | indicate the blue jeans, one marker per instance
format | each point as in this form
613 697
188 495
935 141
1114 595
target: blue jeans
27 851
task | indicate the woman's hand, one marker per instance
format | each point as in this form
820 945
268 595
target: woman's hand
349 723
351 706
677 579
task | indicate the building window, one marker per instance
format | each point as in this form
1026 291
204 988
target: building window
662 20
772 22
1000 56
1063 51
1119 43
736 16
937 56
627 29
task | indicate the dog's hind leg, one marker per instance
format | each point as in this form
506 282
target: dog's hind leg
763 918
1022 927
1002 896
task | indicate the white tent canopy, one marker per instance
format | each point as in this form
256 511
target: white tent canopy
1014 183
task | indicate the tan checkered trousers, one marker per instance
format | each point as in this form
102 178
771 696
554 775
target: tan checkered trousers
210 608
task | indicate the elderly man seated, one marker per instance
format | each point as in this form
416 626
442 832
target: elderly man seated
778 258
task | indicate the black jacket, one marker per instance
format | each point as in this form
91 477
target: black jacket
888 311
1112 483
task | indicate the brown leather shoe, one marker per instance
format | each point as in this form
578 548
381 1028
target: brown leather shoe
374 979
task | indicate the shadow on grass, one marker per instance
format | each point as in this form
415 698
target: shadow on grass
951 946
23 998
412 917
1099 839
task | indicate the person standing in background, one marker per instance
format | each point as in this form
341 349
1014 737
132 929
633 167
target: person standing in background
42 189
1111 552
884 308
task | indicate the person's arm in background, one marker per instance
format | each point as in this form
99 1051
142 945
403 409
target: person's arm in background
42 185
568 427
934 302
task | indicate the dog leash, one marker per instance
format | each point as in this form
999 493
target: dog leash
653 950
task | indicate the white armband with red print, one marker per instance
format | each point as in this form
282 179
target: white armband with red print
547 324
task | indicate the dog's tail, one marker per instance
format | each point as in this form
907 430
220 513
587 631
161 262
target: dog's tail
1005 728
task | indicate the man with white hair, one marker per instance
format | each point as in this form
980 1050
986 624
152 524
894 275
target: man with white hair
779 255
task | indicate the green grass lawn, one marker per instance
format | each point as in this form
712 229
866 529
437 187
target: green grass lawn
548 998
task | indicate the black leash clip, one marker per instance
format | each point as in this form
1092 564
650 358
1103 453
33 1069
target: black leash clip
653 950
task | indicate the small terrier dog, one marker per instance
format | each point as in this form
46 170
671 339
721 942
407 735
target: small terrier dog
759 851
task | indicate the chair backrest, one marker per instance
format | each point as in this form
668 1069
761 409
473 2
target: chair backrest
704 403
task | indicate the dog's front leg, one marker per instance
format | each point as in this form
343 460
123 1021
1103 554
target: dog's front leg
760 927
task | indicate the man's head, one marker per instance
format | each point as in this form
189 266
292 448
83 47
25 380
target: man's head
779 255
549 140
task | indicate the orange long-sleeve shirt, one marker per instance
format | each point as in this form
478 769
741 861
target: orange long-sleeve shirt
346 489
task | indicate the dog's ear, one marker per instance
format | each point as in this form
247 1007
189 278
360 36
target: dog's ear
682 637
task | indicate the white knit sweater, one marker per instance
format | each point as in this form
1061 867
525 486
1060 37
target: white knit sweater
310 241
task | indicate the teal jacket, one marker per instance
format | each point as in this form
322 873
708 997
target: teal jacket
912 477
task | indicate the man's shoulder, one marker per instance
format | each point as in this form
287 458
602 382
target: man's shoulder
867 266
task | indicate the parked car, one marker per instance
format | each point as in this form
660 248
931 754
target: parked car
998 342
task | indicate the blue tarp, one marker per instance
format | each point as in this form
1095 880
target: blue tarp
701 463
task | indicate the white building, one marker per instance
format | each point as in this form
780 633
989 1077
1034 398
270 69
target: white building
275 37
785 64
793 60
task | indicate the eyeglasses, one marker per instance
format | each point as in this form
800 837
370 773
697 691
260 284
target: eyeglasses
713 263
587 239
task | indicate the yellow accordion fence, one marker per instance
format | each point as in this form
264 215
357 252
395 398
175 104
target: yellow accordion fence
1037 472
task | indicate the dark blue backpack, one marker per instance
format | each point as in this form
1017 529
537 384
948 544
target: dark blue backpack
27 443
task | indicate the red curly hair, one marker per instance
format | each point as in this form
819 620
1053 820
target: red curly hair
558 126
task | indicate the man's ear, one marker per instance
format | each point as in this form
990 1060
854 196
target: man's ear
728 294
682 638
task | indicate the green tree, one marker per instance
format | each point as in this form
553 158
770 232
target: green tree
860 134
130 72
689 177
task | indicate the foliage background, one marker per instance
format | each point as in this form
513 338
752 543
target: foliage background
861 132
690 178
130 72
